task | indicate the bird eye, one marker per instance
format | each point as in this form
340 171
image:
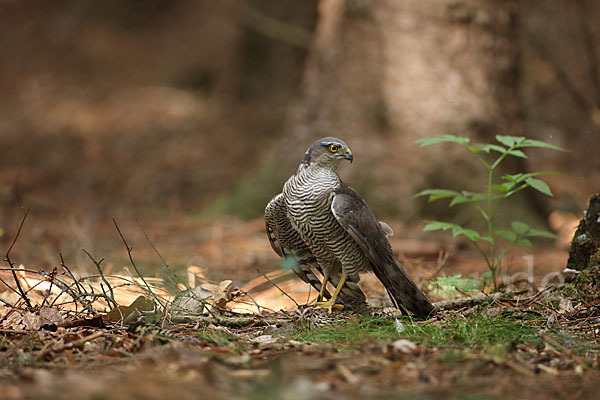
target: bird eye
334 148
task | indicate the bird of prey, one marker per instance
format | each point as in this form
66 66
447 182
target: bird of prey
326 225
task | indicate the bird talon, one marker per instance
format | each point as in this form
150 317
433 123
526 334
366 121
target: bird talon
329 306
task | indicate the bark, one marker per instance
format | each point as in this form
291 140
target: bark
382 74
586 241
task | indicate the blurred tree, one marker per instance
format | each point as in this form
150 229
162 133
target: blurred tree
382 74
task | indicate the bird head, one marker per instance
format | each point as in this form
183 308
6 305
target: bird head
327 152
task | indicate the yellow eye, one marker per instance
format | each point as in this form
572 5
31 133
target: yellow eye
334 148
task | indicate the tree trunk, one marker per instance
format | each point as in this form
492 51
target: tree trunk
382 74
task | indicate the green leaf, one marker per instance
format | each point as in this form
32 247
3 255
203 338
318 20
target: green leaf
516 178
457 230
517 153
467 197
442 139
459 199
474 195
470 234
436 194
541 233
539 185
509 141
495 147
487 239
506 234
525 242
505 187
539 143
439 225
519 227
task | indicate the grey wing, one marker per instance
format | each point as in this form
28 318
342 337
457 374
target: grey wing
353 213
288 243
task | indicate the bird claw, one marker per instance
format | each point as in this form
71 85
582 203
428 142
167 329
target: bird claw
329 306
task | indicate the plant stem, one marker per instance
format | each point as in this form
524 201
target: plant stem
505 252
485 257
489 219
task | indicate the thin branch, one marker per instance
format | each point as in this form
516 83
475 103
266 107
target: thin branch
49 291
253 300
172 274
307 296
8 286
129 250
280 289
241 321
70 345
99 268
80 288
472 301
12 266
6 303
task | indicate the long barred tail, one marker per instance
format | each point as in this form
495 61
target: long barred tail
403 291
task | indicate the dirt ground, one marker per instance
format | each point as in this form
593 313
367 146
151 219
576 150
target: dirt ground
296 353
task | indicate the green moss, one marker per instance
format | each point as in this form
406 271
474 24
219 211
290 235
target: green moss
568 290
477 331
586 286
587 283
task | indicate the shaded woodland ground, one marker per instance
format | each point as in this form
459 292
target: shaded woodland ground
188 116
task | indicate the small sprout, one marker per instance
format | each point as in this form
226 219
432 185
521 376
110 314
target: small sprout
488 202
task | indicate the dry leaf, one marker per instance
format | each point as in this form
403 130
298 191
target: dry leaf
223 293
191 301
124 312
49 316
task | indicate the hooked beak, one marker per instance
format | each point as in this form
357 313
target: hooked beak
348 155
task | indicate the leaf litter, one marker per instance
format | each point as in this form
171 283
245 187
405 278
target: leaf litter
215 339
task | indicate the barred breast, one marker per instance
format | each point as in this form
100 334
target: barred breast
308 197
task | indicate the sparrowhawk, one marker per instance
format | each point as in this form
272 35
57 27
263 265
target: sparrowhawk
325 224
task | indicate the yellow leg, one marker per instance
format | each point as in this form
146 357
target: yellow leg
323 287
330 304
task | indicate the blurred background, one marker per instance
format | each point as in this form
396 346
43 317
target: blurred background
190 114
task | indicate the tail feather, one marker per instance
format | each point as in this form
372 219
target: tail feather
403 291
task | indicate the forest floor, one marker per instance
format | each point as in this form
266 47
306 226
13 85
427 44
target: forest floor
527 343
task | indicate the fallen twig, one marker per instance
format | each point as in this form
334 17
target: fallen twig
231 321
72 344
12 266
467 301
280 289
